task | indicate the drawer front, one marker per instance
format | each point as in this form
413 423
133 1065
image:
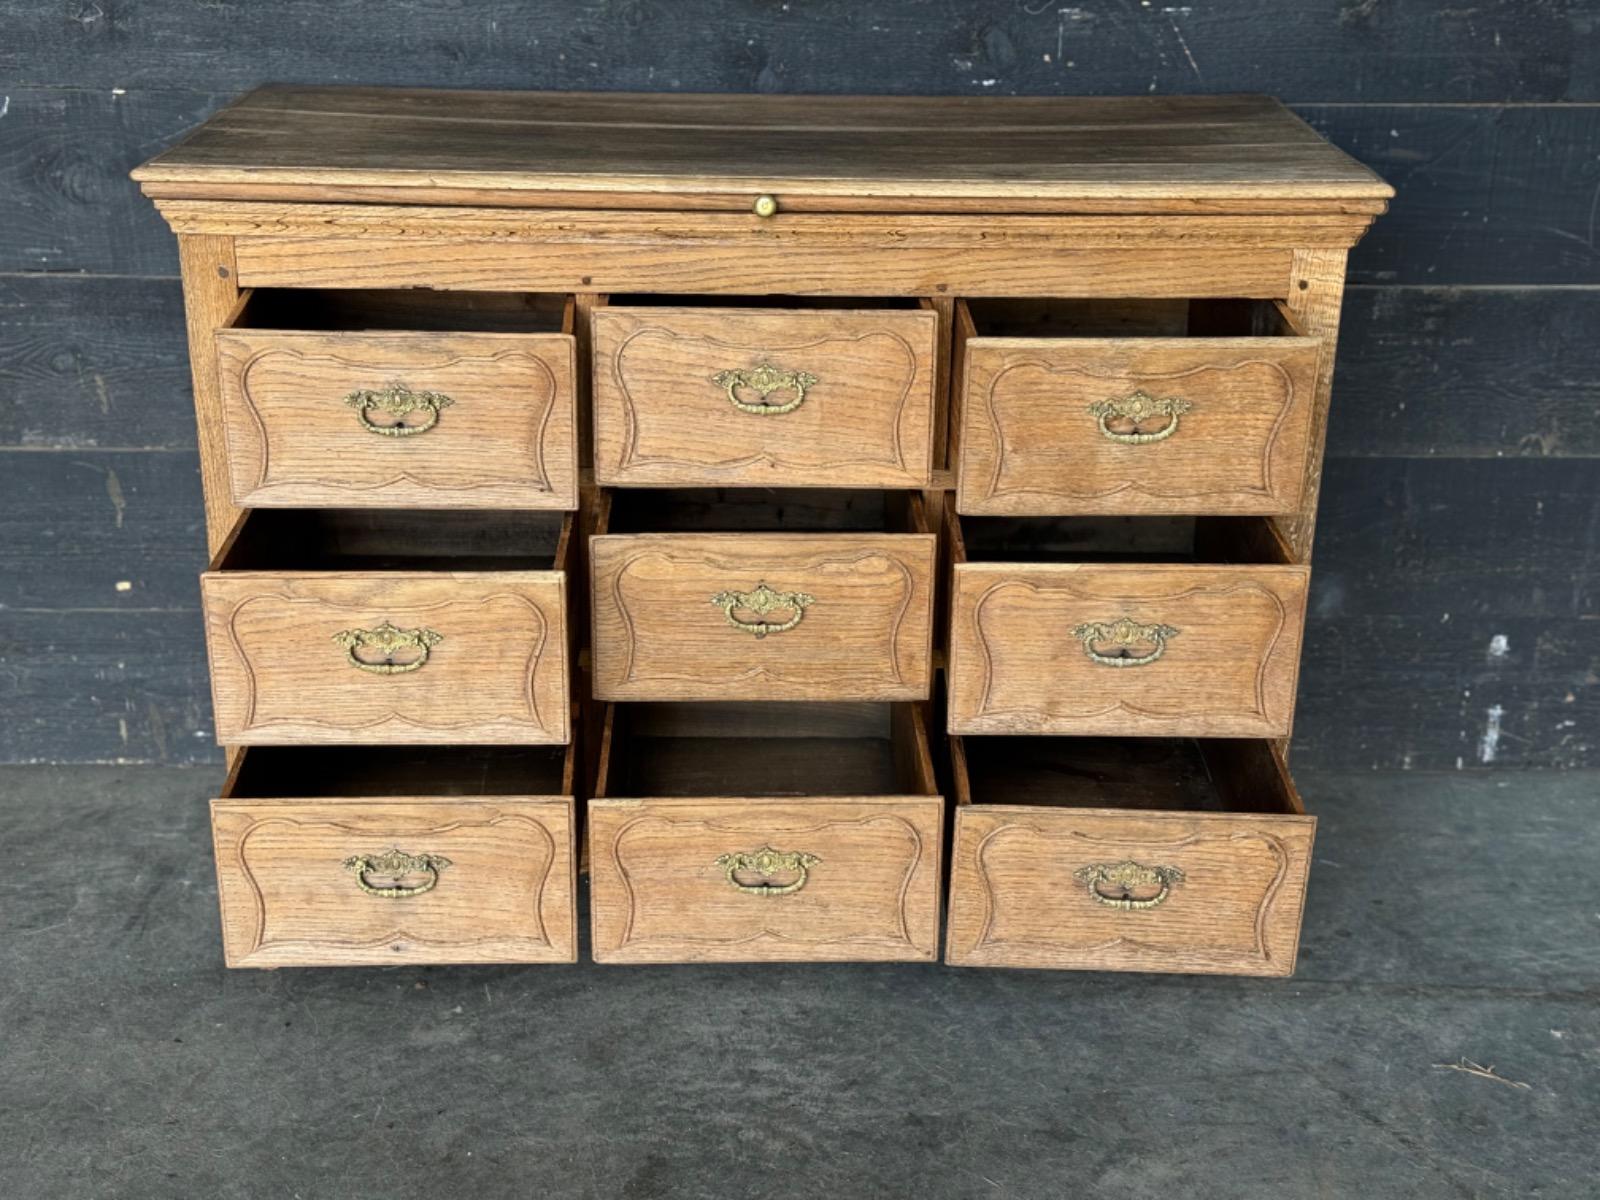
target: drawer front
731 880
316 419
339 882
1099 889
763 398
1146 425
1125 650
762 616
405 658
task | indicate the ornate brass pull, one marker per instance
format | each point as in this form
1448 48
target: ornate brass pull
1123 633
396 864
762 601
1124 879
764 380
388 641
766 863
1136 409
397 401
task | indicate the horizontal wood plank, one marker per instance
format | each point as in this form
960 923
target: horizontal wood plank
93 362
1308 49
102 686
1456 538
95 529
1474 692
1483 194
1450 373
64 165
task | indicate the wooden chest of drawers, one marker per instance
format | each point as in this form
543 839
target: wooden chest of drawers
704 490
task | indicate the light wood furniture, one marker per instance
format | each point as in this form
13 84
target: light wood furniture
785 449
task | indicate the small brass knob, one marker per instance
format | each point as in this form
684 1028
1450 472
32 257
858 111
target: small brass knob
765 206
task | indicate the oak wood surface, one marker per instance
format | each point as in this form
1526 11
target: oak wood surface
1030 442
662 417
1044 809
508 893
1316 300
680 785
210 296
506 440
1134 152
659 894
738 265
660 635
499 674
1019 665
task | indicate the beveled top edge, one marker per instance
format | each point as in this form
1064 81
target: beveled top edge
922 153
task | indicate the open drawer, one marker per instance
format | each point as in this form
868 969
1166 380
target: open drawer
1126 855
817 392
400 398
370 625
762 595
736 833
1124 407
1146 627
332 856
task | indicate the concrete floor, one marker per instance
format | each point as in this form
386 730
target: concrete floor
1451 918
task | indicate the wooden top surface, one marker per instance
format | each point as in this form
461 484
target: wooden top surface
1061 154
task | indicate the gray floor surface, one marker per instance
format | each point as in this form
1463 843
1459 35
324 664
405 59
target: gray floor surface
1451 920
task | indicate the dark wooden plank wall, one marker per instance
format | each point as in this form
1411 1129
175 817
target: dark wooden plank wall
1455 612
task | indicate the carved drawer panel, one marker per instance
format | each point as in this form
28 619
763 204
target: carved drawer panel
763 397
1152 649
387 417
833 616
832 854
1070 881
1127 425
387 878
316 634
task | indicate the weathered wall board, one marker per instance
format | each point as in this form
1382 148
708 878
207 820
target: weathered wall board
1454 594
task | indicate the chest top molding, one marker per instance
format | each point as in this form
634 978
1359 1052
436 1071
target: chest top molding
1199 155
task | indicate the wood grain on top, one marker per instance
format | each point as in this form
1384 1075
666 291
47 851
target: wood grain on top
1061 153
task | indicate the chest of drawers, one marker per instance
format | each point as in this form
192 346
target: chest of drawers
808 515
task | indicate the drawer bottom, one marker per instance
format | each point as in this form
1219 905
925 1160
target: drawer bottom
1126 855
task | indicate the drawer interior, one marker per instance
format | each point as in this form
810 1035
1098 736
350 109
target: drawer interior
1076 318
1204 541
1230 775
764 750
351 310
310 772
377 539
761 510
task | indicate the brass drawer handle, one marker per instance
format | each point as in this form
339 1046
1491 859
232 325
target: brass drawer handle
766 863
1136 409
764 380
1123 879
761 601
396 864
388 641
397 401
1121 634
